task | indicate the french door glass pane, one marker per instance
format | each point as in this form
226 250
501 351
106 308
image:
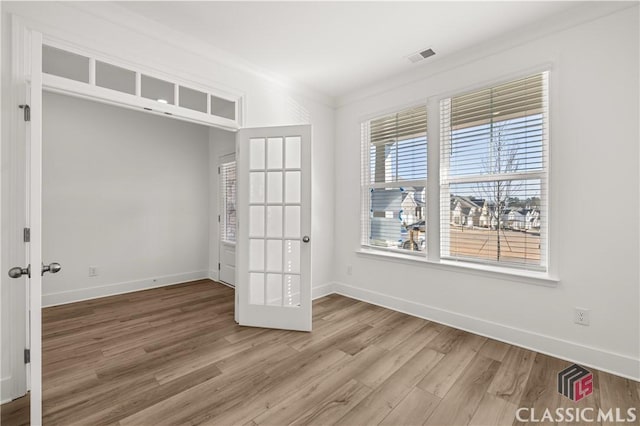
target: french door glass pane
292 256
292 222
256 221
274 147
256 187
274 289
274 187
274 220
292 187
274 255
292 159
292 290
256 255
256 154
256 288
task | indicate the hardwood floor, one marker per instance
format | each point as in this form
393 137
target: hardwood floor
174 355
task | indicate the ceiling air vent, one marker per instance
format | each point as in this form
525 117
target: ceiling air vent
417 57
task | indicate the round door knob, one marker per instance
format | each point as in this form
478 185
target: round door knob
52 267
17 272
306 239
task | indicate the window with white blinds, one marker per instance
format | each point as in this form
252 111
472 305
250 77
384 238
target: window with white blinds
493 174
394 179
228 198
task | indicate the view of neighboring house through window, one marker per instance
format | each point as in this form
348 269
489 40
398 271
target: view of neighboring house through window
493 168
394 166
228 189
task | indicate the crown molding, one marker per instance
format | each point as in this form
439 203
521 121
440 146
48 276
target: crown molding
578 15
117 16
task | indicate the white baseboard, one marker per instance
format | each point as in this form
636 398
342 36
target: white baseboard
610 362
78 295
214 275
322 290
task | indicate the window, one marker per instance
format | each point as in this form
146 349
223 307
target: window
493 172
493 178
65 64
228 193
63 70
115 78
394 180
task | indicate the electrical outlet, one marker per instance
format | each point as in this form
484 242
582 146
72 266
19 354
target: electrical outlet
581 316
349 270
93 271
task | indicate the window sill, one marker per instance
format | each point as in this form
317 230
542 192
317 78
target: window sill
529 277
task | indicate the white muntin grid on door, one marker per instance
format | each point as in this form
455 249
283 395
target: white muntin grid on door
274 221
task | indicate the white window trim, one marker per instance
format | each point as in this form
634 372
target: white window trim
430 258
486 271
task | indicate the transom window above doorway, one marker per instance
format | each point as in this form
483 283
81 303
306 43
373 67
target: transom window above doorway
72 70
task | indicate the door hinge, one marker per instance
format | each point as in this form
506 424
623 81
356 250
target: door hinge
218 170
26 235
218 266
218 218
27 356
27 111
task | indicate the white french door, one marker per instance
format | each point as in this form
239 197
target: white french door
26 76
34 216
274 223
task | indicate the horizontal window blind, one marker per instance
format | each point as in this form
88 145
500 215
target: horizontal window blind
394 173
514 99
493 165
228 192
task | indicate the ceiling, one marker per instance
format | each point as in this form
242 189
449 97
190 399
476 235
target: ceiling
338 47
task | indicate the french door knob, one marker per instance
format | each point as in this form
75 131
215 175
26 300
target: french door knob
306 239
52 267
17 272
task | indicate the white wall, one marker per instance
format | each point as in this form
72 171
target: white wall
124 191
113 31
594 179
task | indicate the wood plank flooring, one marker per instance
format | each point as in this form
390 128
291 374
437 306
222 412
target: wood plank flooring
173 356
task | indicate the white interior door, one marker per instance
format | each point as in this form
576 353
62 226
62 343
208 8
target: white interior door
273 261
228 219
34 163
27 75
